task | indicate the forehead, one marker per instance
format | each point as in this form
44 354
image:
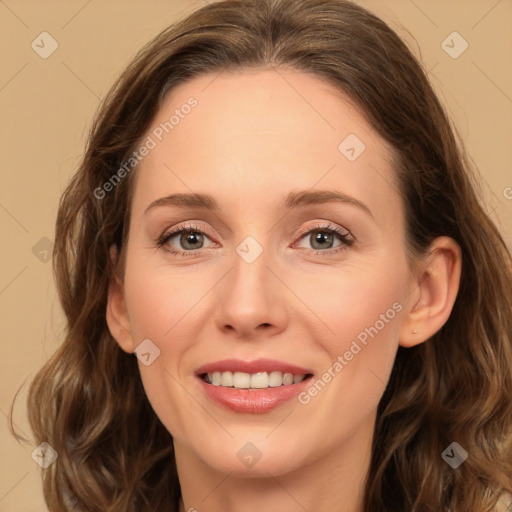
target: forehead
252 136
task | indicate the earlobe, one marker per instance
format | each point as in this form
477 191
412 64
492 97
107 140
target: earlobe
436 289
116 314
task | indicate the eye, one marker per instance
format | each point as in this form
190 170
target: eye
191 239
322 237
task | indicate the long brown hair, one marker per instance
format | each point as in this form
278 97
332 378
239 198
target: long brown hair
88 402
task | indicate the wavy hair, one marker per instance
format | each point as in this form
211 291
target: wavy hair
88 401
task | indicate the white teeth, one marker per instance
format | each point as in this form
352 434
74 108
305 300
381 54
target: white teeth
241 380
226 379
287 379
260 380
275 379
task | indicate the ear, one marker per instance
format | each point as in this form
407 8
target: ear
435 289
117 315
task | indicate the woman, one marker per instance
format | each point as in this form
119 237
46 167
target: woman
271 373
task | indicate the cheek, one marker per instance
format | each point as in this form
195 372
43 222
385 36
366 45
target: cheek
356 299
363 313
159 300
365 309
160 307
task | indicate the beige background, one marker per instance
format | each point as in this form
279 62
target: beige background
47 106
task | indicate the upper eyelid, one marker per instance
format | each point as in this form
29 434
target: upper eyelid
323 225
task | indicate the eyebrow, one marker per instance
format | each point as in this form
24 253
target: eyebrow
291 201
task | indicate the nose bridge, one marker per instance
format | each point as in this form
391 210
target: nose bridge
249 295
250 274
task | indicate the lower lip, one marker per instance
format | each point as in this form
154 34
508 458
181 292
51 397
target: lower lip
253 401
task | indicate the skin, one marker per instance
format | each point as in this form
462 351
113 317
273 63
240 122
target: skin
254 137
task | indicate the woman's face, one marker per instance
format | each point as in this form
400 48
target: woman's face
262 276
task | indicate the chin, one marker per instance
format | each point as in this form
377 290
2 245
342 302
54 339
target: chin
247 459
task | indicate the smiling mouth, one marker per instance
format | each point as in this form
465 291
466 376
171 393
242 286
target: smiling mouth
259 380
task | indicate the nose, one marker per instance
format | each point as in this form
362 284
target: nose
252 299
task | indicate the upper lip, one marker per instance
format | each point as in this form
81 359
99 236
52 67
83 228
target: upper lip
255 366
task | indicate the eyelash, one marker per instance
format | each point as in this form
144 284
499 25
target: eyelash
346 240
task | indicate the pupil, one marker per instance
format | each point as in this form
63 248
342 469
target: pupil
321 235
189 238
